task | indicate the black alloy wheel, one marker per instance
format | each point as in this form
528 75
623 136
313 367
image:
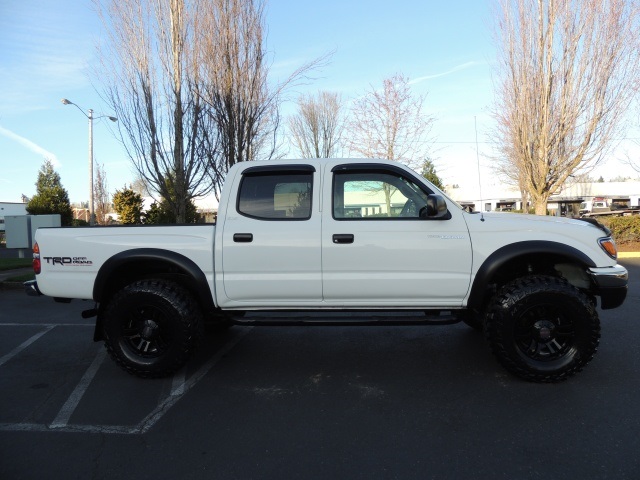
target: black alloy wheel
542 329
151 327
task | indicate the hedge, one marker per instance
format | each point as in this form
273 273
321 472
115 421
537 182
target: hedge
624 229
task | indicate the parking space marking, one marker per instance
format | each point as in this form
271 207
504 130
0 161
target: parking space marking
47 324
180 386
72 402
164 406
40 427
24 345
177 385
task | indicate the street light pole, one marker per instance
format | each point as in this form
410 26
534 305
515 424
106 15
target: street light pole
92 216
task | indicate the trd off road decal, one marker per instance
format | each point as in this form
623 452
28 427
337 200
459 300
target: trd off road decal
68 261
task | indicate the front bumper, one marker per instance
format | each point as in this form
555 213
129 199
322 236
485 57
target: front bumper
611 285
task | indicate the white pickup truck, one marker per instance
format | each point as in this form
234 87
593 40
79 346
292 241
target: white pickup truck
340 235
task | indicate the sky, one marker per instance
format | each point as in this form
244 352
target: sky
47 50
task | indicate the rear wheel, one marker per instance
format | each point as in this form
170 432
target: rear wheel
151 327
542 329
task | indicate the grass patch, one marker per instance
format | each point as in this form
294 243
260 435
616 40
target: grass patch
13 263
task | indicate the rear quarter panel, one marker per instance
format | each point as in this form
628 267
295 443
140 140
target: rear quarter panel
72 257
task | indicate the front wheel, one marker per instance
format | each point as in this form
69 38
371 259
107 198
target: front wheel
542 329
151 327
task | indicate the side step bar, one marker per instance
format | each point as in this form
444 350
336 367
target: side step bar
344 319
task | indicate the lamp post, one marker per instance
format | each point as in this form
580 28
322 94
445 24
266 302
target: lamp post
92 218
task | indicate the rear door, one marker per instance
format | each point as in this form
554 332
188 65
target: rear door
271 237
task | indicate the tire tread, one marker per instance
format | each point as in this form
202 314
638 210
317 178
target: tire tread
189 317
498 317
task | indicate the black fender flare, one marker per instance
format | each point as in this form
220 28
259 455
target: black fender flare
198 280
508 253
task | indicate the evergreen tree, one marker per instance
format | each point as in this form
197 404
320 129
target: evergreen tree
128 205
50 197
429 172
162 214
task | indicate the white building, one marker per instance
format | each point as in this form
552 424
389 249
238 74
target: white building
497 196
9 208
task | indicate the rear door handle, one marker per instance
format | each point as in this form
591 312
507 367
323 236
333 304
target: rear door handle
243 237
343 238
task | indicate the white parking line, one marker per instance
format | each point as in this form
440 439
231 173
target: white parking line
180 386
47 324
40 427
24 345
70 405
177 385
164 406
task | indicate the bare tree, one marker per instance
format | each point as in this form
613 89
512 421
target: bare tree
390 123
566 68
152 81
139 185
244 106
101 195
316 130
632 155
510 174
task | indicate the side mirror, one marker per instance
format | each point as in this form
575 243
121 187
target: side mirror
435 209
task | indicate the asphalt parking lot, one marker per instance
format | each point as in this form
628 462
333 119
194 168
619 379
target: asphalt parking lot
311 402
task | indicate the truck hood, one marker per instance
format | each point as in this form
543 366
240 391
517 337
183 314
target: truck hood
502 229
551 221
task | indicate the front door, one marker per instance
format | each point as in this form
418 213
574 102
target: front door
377 251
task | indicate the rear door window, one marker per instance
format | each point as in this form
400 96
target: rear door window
276 195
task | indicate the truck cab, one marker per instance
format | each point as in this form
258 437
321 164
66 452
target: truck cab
594 206
338 234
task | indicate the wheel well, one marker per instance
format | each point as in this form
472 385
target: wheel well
528 258
128 267
134 270
542 264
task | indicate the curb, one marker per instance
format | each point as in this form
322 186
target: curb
628 254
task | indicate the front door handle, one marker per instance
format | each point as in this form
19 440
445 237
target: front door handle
343 238
243 237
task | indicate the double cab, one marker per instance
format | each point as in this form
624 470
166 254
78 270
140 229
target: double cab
340 235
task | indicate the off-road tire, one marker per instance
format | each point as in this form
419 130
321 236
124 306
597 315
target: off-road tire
542 329
151 327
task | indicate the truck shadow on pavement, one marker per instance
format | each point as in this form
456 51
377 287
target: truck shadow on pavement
60 381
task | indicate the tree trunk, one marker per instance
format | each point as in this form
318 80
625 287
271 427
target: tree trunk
541 208
540 203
